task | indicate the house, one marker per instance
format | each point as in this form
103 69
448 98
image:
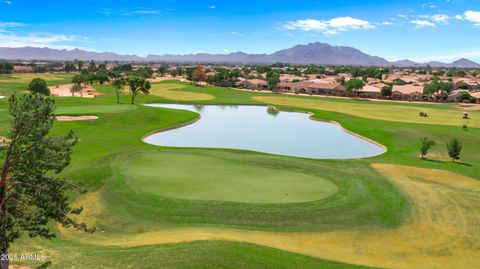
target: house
253 84
475 97
312 88
407 92
401 79
472 84
370 91
22 68
455 95
290 78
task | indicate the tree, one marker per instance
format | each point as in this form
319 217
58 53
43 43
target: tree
464 96
38 85
119 84
353 86
92 67
454 148
80 65
198 74
341 80
102 75
84 77
137 86
443 88
76 88
6 68
31 195
70 67
386 90
189 72
145 72
425 145
273 78
162 69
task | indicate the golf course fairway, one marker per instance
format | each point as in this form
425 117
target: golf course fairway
165 207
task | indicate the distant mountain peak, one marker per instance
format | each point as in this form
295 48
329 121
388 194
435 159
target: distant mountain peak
312 53
465 63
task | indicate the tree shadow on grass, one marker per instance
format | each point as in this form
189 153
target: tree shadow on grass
434 161
465 164
439 161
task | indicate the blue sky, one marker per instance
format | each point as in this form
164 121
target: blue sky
420 30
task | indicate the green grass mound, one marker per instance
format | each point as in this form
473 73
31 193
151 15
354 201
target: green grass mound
195 177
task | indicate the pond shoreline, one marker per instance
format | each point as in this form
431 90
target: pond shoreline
310 117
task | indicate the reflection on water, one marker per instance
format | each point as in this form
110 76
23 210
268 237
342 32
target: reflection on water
250 128
273 111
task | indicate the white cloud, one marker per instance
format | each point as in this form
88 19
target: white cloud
306 25
441 18
212 7
11 24
422 23
437 18
459 17
473 16
430 5
347 23
330 32
40 40
237 34
141 11
8 2
329 27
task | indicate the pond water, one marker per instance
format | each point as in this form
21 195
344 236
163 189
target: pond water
264 129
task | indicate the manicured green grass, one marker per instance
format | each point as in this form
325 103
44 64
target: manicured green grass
144 188
200 177
206 254
93 109
171 91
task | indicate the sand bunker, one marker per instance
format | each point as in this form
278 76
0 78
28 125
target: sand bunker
180 78
475 107
65 91
76 118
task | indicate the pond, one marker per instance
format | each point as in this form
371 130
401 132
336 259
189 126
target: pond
264 129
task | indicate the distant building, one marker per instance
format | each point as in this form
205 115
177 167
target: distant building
407 92
253 84
22 69
312 88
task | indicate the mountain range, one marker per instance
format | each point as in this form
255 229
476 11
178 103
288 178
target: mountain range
314 53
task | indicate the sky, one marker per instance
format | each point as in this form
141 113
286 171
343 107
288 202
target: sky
420 30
